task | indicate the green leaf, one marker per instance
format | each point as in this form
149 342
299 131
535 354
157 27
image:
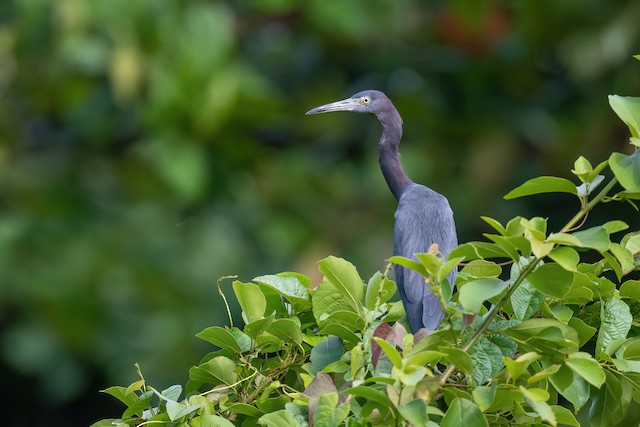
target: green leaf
410 264
481 269
487 360
251 299
287 330
628 109
463 412
478 250
626 169
291 287
495 224
610 403
573 387
379 290
566 257
459 358
551 279
593 238
327 300
615 226
415 412
564 416
484 396
244 409
616 318
536 398
328 413
519 367
121 393
587 367
344 276
369 393
526 300
585 332
473 294
544 335
215 371
279 418
172 393
582 168
543 184
630 289
410 375
624 257
177 410
394 356
255 328
210 421
326 352
220 337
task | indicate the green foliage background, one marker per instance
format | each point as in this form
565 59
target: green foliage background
149 147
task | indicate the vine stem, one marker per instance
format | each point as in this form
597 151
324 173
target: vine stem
529 268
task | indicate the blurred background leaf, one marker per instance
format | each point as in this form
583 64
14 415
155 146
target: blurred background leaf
149 147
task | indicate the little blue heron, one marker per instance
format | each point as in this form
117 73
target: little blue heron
423 217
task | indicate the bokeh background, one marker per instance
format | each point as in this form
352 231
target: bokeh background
149 147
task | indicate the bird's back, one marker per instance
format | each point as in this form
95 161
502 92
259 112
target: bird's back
423 217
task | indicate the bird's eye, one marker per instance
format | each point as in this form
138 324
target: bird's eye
365 100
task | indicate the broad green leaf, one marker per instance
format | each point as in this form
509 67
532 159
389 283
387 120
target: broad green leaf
551 279
519 367
487 357
172 393
615 226
120 393
351 320
410 375
573 387
473 294
626 169
177 410
566 257
585 332
582 168
210 421
543 184
561 312
431 262
391 352
344 276
286 329
328 413
220 337
594 238
543 374
610 403
463 412
616 319
369 393
326 352
459 358
478 250
327 300
244 409
410 264
484 396
544 335
495 224
481 268
536 399
290 287
255 328
564 416
630 289
379 290
415 412
279 418
628 109
624 257
251 299
587 367
526 300
341 331
215 371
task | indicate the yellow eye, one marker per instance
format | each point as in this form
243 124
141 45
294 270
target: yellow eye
365 100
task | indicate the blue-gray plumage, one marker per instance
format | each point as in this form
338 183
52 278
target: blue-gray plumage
423 216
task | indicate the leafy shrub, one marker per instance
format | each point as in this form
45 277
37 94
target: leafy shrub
533 334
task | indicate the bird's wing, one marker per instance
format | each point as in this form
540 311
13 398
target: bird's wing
423 217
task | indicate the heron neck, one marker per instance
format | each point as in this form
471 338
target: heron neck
389 156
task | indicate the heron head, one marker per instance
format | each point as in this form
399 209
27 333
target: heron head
368 101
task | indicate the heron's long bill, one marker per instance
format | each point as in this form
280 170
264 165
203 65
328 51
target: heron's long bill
348 104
